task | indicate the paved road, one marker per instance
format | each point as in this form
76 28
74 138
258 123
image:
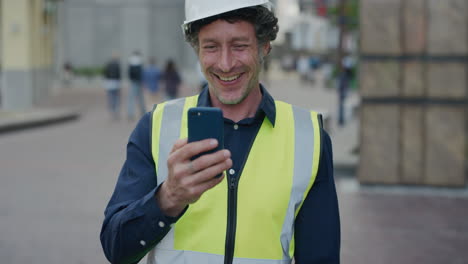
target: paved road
56 181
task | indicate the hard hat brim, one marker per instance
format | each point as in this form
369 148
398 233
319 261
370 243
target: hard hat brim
194 13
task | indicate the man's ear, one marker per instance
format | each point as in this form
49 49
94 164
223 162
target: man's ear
266 48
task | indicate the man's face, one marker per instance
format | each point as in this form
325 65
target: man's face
229 58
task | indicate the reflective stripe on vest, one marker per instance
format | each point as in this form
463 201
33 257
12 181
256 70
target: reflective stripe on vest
271 190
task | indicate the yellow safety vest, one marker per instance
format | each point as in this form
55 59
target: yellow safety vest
279 172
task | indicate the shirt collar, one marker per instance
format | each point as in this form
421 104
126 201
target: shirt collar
267 104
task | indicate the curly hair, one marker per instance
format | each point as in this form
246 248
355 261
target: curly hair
264 21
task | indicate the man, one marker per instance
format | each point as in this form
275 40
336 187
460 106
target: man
112 85
135 75
277 201
151 79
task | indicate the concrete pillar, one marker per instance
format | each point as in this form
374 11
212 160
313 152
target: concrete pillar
1 51
26 53
17 91
414 88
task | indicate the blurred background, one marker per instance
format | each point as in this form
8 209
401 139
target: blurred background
389 76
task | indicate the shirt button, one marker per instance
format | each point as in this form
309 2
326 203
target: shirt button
142 242
236 126
232 171
161 224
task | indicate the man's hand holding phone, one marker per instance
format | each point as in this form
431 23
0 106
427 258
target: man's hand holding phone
195 166
189 179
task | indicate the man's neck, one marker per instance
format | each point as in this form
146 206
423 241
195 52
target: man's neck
247 108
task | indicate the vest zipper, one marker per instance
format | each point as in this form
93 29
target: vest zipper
232 219
233 183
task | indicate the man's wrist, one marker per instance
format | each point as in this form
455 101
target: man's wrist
167 206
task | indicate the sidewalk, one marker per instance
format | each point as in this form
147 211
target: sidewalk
13 121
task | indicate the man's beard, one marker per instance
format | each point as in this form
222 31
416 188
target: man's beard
253 82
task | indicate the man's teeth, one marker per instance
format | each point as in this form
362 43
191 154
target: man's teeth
229 79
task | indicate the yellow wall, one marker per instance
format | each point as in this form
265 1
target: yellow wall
16 34
27 40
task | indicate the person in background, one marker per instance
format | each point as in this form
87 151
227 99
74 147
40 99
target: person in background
171 80
151 78
303 67
67 74
112 79
344 83
266 68
135 75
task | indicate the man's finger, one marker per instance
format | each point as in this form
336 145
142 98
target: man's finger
205 186
191 167
208 174
195 148
178 144
208 160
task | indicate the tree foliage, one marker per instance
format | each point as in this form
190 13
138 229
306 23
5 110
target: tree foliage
351 14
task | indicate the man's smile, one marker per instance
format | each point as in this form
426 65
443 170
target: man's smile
228 78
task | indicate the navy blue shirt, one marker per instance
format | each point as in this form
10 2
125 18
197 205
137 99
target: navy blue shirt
134 223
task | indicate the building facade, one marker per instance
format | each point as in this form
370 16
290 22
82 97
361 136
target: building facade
92 30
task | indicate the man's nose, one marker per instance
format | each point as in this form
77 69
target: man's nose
226 61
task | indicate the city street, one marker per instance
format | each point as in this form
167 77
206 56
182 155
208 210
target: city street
56 181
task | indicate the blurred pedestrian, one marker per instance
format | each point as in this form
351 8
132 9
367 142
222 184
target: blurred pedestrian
303 67
314 65
112 79
266 68
67 74
135 74
172 80
344 83
287 62
151 78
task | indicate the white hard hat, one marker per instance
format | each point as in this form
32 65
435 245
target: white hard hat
199 9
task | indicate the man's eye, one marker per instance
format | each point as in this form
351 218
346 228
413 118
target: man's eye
209 47
242 46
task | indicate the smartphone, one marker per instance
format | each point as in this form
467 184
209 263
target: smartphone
204 123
